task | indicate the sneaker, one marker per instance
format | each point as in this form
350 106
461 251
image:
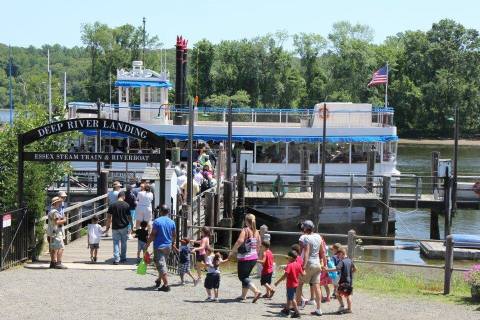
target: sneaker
310 302
285 312
341 309
115 263
324 300
217 300
209 299
303 303
295 315
95 259
59 265
334 296
347 311
91 259
164 288
317 312
138 260
123 260
157 283
52 265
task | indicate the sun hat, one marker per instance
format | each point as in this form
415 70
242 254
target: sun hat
62 194
308 224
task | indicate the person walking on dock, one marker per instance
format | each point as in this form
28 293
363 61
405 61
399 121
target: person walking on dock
119 218
56 233
247 256
163 238
113 195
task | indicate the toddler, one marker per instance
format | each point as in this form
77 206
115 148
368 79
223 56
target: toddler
95 232
212 280
292 273
142 235
184 261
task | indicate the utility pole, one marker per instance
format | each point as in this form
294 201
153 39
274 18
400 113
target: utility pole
10 93
229 143
455 162
144 36
97 145
190 155
49 87
324 159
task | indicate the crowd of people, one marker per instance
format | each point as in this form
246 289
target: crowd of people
309 262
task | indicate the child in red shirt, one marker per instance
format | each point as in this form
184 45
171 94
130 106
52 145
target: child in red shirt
292 273
267 269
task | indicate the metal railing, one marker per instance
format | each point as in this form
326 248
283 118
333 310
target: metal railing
14 238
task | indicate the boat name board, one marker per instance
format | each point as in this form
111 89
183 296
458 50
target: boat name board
88 157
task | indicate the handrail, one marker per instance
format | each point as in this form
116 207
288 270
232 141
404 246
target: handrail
79 221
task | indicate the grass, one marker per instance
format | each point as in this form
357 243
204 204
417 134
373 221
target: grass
412 282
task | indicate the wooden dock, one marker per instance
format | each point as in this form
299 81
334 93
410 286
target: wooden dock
436 250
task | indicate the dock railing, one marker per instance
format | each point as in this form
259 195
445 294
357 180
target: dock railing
352 243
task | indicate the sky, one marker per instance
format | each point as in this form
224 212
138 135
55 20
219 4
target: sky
35 22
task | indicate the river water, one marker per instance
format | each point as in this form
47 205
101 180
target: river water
416 223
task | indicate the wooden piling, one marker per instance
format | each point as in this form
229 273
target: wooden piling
371 155
447 192
228 199
369 221
241 190
304 169
210 209
317 181
448 264
351 244
385 205
434 226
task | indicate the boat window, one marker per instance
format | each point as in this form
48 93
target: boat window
146 92
389 151
337 152
156 95
269 152
359 152
123 94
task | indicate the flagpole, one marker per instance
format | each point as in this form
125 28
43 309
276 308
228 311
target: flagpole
49 87
386 90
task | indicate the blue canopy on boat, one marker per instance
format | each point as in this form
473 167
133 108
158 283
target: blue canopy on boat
139 84
252 138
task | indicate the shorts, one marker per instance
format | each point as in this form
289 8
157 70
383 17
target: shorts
266 278
160 256
325 279
183 268
291 294
144 214
94 245
312 274
141 245
344 289
199 257
56 243
212 281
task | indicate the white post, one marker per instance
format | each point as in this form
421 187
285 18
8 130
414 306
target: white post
49 87
65 90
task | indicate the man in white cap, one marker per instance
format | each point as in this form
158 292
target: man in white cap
63 196
56 233
113 195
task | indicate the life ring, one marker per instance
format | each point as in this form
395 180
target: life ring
476 187
278 188
320 112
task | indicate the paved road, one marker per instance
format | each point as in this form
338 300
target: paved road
117 292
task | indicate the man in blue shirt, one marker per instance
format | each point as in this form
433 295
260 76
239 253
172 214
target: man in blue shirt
163 238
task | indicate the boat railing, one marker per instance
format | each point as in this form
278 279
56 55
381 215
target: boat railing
301 117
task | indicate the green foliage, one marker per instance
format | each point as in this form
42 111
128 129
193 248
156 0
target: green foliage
37 176
430 72
239 99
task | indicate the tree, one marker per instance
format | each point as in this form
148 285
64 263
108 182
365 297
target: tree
201 61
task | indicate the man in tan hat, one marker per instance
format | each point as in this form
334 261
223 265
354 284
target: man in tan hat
56 233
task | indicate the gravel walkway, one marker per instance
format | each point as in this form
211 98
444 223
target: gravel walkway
122 294
104 291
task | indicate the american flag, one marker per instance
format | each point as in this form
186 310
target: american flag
379 77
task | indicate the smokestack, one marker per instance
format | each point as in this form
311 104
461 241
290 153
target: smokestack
184 72
177 119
